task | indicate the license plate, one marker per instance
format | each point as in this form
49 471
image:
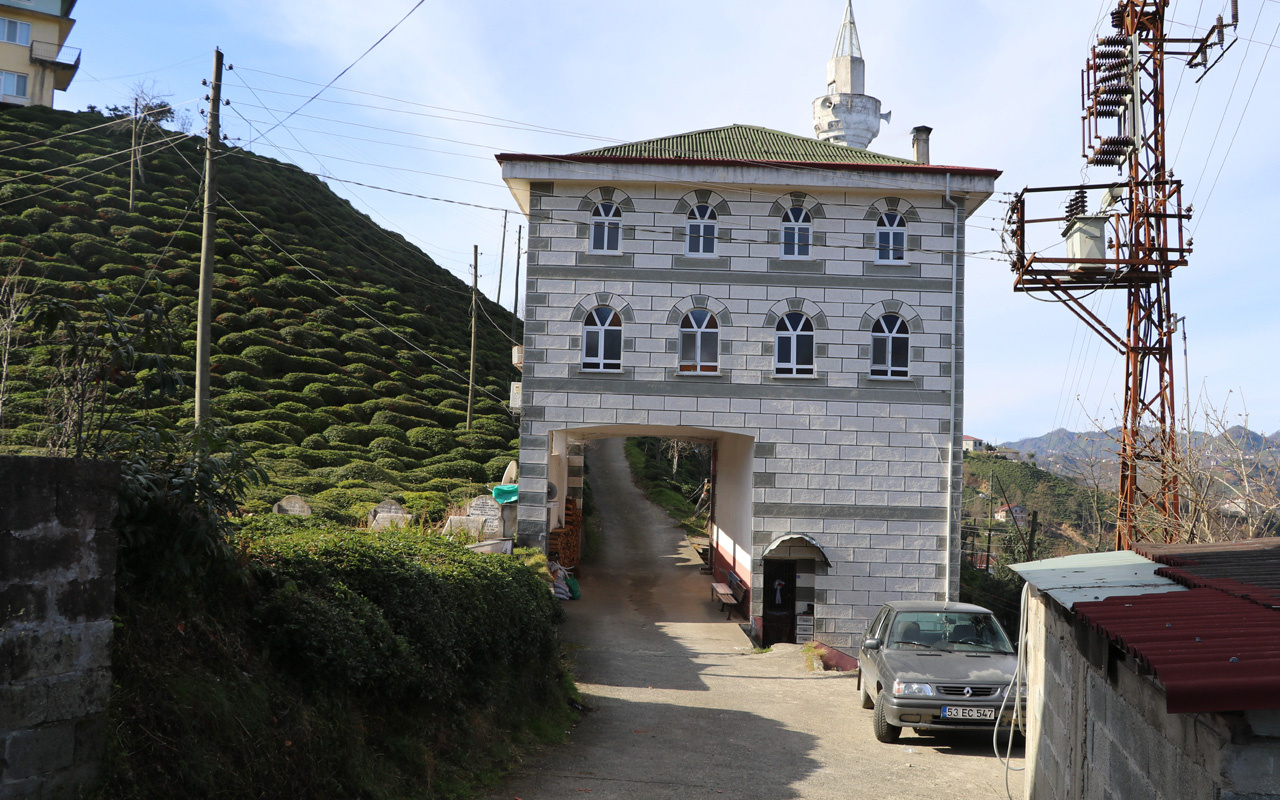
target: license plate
968 712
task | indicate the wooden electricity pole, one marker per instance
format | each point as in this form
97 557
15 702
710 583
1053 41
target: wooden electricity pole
502 258
133 154
205 308
515 302
475 282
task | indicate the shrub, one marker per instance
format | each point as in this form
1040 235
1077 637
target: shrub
349 434
346 613
461 470
362 471
433 440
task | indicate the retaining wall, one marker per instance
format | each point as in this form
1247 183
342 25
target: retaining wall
57 595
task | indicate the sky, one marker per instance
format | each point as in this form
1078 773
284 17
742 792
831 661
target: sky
425 111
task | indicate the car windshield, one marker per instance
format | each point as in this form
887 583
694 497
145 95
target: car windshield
948 630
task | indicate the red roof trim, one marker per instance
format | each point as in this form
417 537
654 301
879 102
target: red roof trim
1249 569
735 162
1210 650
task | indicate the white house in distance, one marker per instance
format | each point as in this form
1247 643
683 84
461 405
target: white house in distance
973 444
796 302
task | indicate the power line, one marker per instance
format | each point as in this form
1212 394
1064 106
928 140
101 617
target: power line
106 124
1236 132
347 69
155 143
532 126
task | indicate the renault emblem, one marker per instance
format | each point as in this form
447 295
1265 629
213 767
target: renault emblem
968 691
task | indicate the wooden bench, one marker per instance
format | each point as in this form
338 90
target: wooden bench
729 594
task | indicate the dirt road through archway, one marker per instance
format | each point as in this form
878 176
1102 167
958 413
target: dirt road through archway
682 707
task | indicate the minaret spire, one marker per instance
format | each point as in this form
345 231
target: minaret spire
847 43
845 115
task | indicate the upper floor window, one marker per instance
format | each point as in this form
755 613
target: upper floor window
13 84
891 237
606 228
793 354
797 233
890 347
602 340
702 231
699 342
15 32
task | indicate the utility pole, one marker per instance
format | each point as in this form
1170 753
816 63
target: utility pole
515 302
502 258
133 154
475 282
205 308
1133 242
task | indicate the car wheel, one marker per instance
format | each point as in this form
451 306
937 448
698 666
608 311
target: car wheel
867 702
885 732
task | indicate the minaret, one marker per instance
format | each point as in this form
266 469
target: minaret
844 115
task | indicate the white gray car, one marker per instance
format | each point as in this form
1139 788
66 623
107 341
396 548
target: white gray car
935 666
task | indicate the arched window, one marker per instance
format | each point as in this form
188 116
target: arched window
797 232
699 342
606 228
891 237
890 347
602 340
701 240
793 354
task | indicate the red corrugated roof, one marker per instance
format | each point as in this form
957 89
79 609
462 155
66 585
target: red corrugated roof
1211 650
1249 569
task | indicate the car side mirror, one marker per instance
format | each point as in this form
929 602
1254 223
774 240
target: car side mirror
871 644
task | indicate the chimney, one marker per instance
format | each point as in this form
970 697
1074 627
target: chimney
920 143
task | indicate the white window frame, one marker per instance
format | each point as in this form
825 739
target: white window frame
891 238
791 328
606 228
701 231
20 27
893 338
5 77
699 338
601 335
797 233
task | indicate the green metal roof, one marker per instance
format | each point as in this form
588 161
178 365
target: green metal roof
743 143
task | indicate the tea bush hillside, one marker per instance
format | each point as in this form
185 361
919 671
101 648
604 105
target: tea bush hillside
340 350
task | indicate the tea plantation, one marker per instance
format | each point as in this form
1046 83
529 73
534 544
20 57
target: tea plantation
340 350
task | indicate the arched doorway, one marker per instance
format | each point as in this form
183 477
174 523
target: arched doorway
790 565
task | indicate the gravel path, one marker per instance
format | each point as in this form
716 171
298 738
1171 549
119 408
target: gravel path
682 707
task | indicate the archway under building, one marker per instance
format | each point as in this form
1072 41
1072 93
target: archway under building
730 524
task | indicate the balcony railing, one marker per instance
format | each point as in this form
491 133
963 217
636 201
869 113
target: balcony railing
56 55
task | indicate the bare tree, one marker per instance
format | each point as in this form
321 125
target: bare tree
1228 480
16 294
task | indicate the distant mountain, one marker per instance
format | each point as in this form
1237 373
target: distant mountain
1062 442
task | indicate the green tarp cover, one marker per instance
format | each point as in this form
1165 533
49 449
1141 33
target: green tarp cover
506 493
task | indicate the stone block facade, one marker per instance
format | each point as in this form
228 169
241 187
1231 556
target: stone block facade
57 595
857 464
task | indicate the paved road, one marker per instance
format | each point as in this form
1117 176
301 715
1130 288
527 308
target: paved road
682 707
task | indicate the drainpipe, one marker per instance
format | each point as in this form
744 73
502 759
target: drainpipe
955 329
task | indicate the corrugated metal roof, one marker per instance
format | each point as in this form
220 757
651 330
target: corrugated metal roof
1212 651
743 143
1095 576
1249 569
1214 647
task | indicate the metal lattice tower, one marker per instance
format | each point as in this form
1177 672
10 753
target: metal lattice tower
1132 243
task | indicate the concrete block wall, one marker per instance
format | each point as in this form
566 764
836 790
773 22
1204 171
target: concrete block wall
858 463
1102 733
57 595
